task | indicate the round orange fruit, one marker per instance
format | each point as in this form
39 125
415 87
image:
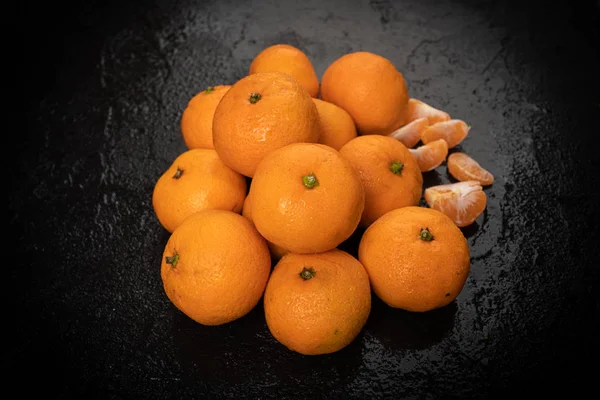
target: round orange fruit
416 257
261 113
317 303
197 118
388 171
196 180
290 60
215 267
306 198
370 88
337 126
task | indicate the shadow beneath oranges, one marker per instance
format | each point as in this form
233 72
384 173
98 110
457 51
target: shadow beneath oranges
400 329
351 244
434 177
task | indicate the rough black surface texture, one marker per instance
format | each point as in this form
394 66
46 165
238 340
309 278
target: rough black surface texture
105 84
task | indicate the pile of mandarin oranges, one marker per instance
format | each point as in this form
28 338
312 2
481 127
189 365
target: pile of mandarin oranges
281 169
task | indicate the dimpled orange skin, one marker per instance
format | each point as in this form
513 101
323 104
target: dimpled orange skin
196 180
245 132
320 315
197 117
222 267
297 218
337 126
409 273
290 60
276 251
370 88
371 156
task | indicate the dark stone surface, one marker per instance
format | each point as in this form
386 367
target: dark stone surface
105 85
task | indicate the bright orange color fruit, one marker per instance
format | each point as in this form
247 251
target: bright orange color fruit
215 267
453 132
261 113
196 180
276 251
306 198
417 258
290 60
410 134
370 88
337 126
419 109
197 117
317 303
464 168
431 155
389 173
463 202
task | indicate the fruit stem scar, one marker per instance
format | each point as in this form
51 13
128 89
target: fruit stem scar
210 89
425 235
396 167
173 260
178 173
307 273
310 181
254 97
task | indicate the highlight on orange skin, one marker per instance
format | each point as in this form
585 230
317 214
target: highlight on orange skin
419 109
463 202
464 168
410 134
431 155
452 131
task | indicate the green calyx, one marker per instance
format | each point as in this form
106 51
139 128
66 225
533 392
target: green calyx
310 181
396 167
425 235
307 273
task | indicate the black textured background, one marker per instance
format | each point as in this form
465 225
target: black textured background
104 84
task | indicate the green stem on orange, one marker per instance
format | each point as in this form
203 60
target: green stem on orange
425 235
396 167
178 173
173 260
307 273
310 181
210 89
254 97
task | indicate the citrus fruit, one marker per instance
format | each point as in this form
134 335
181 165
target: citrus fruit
276 251
389 173
452 131
419 109
215 267
462 202
317 303
431 155
261 113
417 258
464 168
290 60
306 198
196 180
197 117
370 88
337 126
410 134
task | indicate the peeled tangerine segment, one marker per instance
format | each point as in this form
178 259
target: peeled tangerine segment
430 156
453 132
418 109
464 168
410 134
463 202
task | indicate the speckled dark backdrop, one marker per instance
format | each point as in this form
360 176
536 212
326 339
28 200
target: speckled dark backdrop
105 84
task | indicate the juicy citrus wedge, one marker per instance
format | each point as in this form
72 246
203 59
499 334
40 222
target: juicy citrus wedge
453 132
463 202
410 134
418 109
464 168
431 155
